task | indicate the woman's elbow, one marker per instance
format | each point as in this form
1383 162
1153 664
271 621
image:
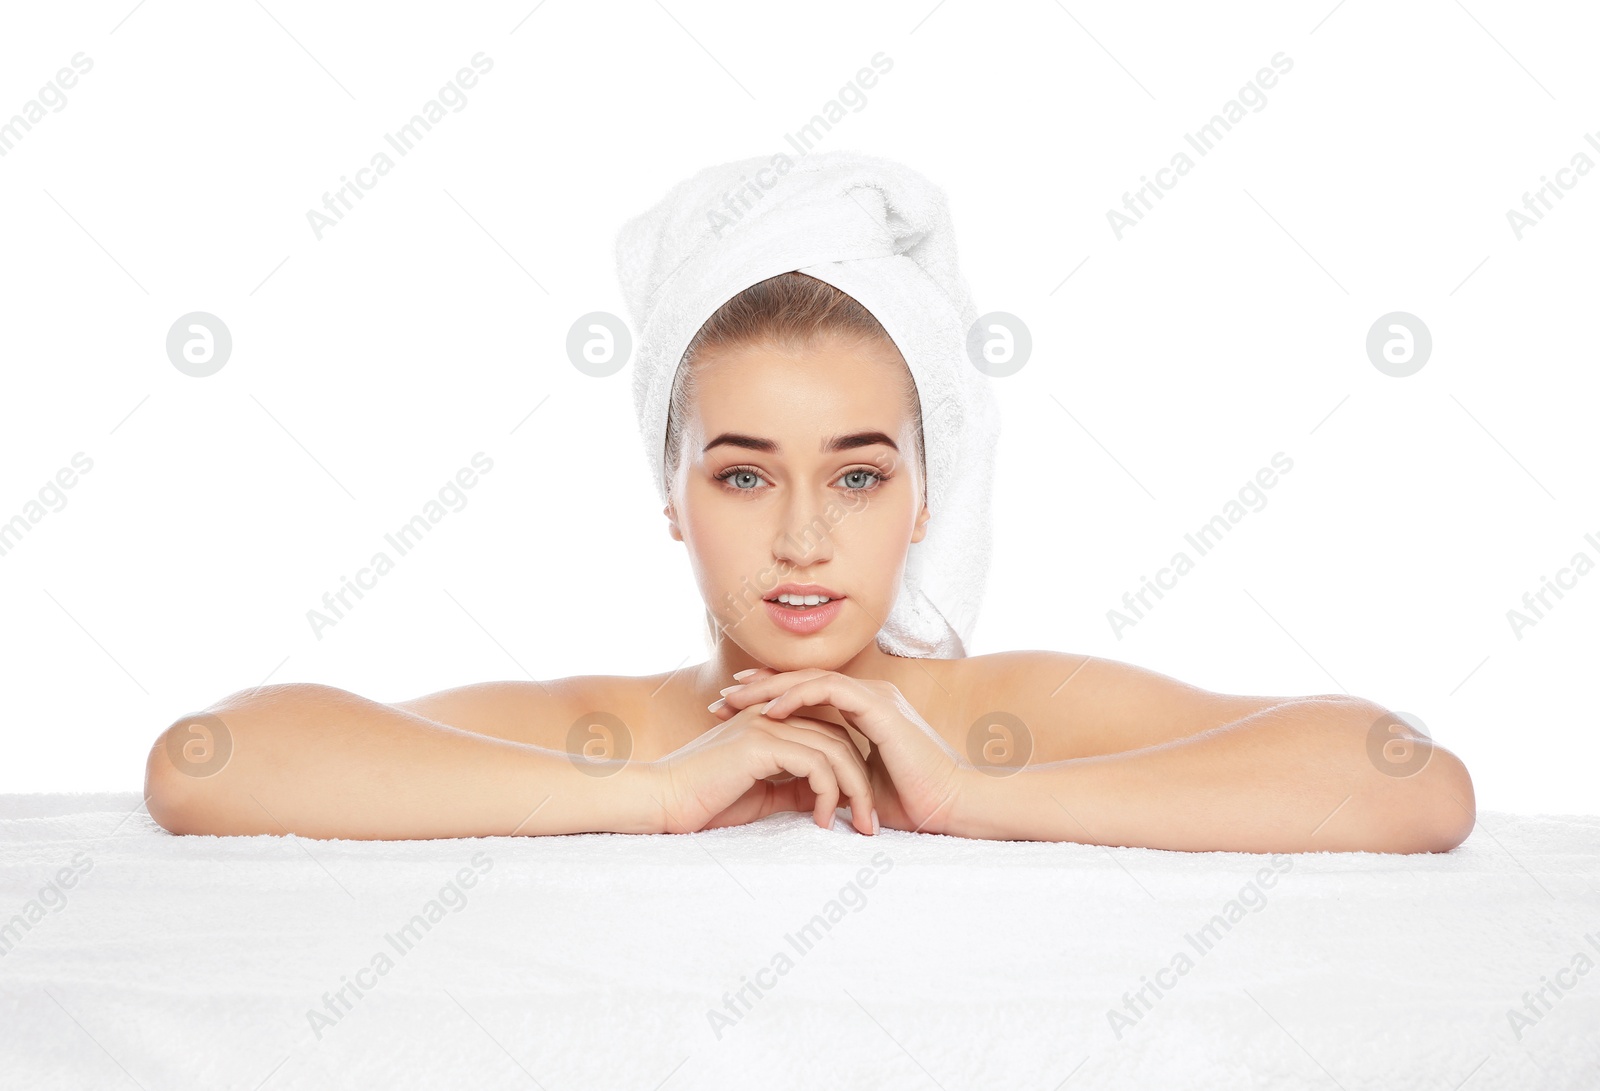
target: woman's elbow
178 768
1421 791
1452 804
167 792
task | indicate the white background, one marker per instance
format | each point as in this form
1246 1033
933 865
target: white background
370 365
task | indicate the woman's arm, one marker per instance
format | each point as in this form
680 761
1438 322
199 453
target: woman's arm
1120 755
1305 775
321 762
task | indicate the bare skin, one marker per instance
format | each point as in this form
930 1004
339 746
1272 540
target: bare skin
767 492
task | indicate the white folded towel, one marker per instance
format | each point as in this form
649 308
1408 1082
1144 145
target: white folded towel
130 957
880 232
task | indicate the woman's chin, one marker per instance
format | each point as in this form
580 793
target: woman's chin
783 653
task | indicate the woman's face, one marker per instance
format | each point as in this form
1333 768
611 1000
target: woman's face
799 467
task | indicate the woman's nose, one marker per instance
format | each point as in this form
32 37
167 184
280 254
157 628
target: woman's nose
806 534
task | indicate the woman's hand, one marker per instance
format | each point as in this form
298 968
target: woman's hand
752 766
916 776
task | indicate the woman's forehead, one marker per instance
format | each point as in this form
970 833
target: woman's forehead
823 385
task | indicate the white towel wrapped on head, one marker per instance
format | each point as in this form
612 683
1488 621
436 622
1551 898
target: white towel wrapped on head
881 233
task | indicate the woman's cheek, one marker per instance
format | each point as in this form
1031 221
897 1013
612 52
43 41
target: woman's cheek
730 558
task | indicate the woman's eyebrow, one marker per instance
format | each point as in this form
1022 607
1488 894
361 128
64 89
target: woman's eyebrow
835 443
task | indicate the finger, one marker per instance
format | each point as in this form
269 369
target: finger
842 731
862 705
850 769
811 763
764 687
765 797
825 797
841 691
827 804
790 795
795 794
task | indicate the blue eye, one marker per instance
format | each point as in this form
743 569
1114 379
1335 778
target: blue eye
744 479
740 473
878 479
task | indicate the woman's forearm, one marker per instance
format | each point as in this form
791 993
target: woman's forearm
1301 776
322 762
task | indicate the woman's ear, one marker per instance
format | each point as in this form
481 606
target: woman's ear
672 524
920 530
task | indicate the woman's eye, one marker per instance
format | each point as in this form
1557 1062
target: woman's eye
741 480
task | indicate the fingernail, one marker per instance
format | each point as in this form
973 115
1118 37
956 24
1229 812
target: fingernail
714 705
875 826
730 689
747 673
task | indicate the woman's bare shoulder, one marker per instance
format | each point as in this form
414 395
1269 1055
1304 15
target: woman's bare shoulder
1078 705
989 680
538 712
1080 677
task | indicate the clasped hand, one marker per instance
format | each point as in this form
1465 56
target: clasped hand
765 757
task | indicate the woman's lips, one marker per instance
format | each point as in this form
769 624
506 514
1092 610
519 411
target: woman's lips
803 622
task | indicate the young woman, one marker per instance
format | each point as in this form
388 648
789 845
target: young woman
793 409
